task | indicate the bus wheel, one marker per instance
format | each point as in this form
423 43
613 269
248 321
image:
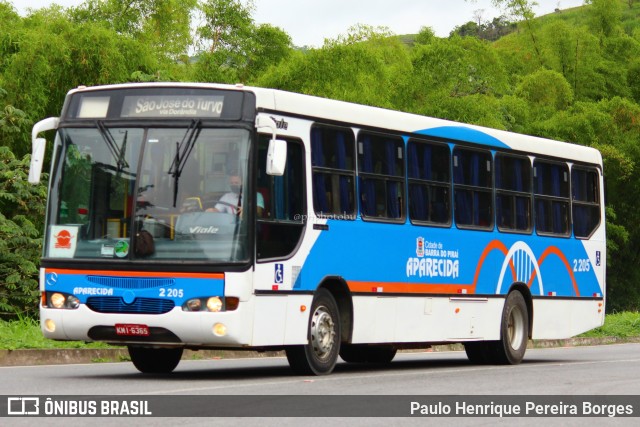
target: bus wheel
354 353
477 352
155 360
514 332
319 355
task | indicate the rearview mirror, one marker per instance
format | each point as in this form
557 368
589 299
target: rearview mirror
37 147
276 157
37 159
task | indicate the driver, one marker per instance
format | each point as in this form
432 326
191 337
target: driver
230 202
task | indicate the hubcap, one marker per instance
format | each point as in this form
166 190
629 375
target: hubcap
322 332
515 328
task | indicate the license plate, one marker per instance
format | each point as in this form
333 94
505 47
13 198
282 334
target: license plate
132 330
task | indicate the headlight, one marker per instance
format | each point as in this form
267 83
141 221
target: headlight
57 300
60 300
212 304
194 304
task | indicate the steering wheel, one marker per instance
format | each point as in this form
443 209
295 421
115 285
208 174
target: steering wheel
234 208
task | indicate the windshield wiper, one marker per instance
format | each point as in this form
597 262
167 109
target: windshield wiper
116 152
183 150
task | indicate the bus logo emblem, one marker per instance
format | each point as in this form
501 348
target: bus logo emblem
63 239
279 273
420 246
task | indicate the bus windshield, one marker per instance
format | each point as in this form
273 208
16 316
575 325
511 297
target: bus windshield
153 193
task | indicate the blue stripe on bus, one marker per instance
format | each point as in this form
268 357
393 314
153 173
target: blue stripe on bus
471 260
177 289
461 133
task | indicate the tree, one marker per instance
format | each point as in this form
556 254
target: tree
367 65
425 36
523 9
547 90
233 48
605 16
227 25
21 224
164 25
51 54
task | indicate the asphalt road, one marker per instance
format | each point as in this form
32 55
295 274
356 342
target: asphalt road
598 370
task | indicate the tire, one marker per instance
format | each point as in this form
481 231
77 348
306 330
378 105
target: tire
514 332
514 335
477 352
320 354
155 360
354 353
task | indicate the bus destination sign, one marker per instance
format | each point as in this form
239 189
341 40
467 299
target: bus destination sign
172 106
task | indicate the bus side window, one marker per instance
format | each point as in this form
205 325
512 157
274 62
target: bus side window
332 158
513 193
429 182
279 227
585 201
551 197
472 178
381 176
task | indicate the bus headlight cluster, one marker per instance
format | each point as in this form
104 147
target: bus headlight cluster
211 304
60 300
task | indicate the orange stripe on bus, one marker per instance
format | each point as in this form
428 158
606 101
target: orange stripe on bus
494 244
554 250
406 288
136 273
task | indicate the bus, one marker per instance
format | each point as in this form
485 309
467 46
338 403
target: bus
206 216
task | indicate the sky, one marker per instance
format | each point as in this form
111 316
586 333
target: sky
310 22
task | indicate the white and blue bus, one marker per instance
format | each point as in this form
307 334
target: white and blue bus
204 216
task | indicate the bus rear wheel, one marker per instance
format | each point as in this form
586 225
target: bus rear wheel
514 333
514 336
320 354
354 353
155 360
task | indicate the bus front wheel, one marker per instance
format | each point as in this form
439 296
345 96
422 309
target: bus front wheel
354 353
320 354
155 360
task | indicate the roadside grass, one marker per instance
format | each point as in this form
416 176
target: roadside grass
26 334
621 325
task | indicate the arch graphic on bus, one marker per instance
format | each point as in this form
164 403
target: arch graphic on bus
524 266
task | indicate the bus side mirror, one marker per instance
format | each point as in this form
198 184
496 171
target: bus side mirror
37 147
276 157
37 159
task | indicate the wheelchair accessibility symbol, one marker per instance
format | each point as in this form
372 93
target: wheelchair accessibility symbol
279 273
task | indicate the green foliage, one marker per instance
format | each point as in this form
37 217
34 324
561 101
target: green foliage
546 90
163 25
365 66
25 333
572 75
21 223
232 47
491 31
621 325
604 16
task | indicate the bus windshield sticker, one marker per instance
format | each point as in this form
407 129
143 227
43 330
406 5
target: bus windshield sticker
121 249
63 240
107 251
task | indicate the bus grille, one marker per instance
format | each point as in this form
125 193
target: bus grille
131 282
138 306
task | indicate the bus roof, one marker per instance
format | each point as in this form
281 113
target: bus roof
358 115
